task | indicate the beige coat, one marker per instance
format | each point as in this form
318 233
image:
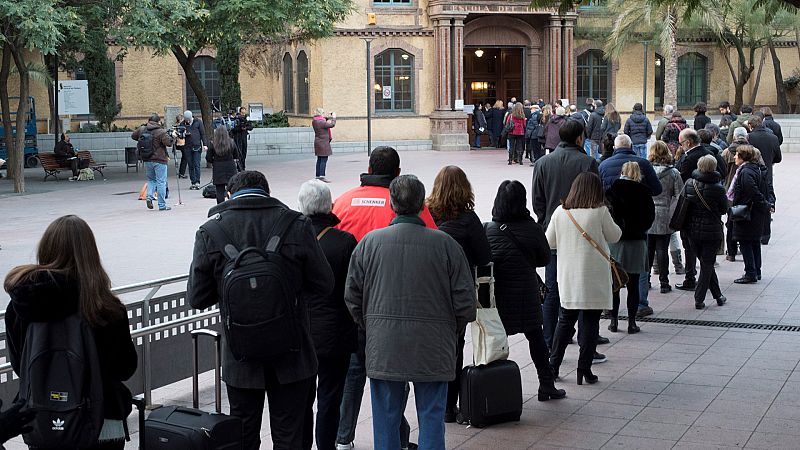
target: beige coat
584 276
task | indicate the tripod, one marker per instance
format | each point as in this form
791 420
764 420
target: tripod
177 176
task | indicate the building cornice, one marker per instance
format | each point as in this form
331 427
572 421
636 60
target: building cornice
367 32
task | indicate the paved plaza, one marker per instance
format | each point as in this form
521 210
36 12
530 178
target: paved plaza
674 385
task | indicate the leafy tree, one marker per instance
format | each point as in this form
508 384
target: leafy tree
230 93
691 5
26 25
186 27
99 68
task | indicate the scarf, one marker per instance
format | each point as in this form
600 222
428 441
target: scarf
729 194
249 192
330 131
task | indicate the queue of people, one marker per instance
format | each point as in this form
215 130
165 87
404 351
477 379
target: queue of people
385 268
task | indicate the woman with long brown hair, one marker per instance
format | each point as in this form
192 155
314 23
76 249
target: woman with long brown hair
612 121
584 277
517 134
452 205
67 279
222 153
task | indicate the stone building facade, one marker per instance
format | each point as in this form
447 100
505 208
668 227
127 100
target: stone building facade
427 60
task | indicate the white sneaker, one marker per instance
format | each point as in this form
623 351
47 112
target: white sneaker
349 446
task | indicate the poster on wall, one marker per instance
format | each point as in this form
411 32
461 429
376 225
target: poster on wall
256 112
73 97
387 92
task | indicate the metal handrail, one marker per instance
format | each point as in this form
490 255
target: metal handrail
149 330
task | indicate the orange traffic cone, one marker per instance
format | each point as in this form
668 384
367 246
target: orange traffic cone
143 193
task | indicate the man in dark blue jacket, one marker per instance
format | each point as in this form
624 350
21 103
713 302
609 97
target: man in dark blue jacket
639 128
611 168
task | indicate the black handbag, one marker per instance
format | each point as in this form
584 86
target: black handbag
740 213
678 219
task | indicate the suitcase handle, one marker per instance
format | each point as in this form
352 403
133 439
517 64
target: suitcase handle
217 367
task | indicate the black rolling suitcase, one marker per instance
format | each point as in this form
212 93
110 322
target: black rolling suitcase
490 394
174 427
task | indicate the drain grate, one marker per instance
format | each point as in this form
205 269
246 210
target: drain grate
717 324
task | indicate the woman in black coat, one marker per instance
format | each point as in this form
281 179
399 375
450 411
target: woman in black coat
222 154
332 327
452 205
707 203
494 119
69 279
633 209
519 246
749 187
700 118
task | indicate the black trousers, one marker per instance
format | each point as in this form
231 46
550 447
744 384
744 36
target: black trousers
707 279
658 246
220 193
111 445
453 387
730 244
287 408
633 298
589 322
331 374
240 139
184 159
540 354
517 148
690 262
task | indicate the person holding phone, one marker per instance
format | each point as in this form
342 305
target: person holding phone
322 139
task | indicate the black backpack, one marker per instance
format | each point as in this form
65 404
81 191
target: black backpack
532 127
60 378
145 145
257 301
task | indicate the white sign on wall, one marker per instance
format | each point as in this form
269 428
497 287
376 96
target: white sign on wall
256 112
387 92
73 97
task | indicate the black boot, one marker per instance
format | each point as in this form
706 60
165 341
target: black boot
586 373
548 391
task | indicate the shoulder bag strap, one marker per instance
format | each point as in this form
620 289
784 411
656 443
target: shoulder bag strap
322 233
504 228
279 229
587 237
700 196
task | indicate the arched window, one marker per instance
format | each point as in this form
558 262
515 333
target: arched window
206 69
593 76
692 79
288 86
394 81
660 63
302 83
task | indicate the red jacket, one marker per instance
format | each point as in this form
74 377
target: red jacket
519 127
367 207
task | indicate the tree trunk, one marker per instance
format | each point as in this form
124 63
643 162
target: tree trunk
51 62
671 62
754 93
780 89
23 110
8 138
186 60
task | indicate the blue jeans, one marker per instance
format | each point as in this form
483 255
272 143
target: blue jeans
156 181
552 302
587 146
351 404
388 403
194 164
643 280
322 163
640 150
477 140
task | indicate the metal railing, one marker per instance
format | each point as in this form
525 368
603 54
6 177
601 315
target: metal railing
147 330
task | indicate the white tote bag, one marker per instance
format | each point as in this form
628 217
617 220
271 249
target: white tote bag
489 339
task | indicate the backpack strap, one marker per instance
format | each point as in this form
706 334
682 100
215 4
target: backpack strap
279 229
220 237
322 233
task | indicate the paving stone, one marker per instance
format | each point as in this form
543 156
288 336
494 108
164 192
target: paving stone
772 441
637 443
729 421
716 436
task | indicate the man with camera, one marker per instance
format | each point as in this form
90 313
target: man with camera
152 142
195 143
240 129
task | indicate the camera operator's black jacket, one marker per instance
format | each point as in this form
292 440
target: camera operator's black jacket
161 140
195 134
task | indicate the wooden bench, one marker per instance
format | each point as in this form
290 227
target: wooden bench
87 155
50 165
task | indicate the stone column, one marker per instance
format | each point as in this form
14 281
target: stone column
570 73
553 33
448 126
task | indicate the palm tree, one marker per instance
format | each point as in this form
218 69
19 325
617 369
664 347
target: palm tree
658 20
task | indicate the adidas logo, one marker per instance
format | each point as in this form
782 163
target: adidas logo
58 425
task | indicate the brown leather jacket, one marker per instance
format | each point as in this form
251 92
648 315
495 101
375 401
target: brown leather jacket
161 141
